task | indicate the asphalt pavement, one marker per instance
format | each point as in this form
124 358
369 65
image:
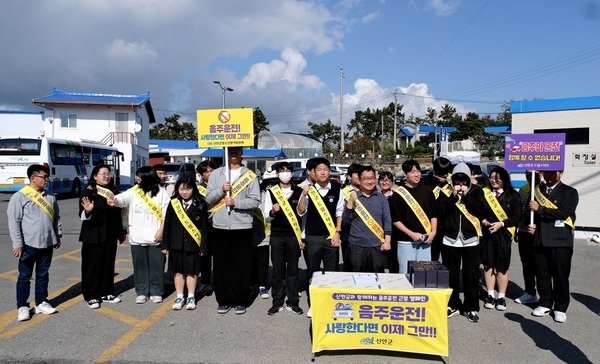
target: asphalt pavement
152 333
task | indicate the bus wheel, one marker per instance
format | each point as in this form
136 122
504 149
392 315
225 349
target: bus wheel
76 190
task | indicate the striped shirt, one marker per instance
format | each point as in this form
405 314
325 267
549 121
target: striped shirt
360 234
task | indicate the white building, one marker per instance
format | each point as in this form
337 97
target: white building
579 119
18 122
122 121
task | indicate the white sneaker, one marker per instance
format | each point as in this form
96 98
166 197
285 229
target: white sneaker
264 293
141 299
190 303
45 308
23 314
156 299
111 299
94 304
560 316
540 311
309 313
526 298
178 304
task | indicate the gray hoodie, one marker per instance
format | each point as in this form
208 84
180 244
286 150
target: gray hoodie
240 216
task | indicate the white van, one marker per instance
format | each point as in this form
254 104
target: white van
343 169
295 162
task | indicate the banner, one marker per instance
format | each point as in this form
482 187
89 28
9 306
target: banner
375 317
538 152
225 128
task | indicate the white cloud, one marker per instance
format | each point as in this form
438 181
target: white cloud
121 49
443 7
370 17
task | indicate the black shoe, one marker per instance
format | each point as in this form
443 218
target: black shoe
274 310
472 316
501 304
205 290
490 302
294 309
453 312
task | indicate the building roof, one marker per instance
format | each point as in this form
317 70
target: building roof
164 144
576 103
431 128
59 97
498 130
247 153
21 112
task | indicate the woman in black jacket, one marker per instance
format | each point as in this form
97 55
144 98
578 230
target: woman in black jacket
185 238
101 229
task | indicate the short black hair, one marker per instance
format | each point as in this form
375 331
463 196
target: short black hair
321 160
364 169
386 174
203 166
159 167
36 168
310 164
408 165
354 168
285 165
442 166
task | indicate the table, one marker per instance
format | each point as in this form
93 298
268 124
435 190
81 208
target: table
377 311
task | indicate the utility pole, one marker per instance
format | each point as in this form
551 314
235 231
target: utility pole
341 110
395 120
435 136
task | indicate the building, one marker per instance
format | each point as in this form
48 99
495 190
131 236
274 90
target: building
578 119
122 121
17 122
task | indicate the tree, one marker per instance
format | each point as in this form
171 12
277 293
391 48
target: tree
173 130
328 134
375 125
260 123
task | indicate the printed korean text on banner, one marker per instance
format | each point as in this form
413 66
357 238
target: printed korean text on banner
538 152
225 128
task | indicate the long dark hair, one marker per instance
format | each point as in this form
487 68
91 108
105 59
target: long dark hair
92 184
189 182
504 177
149 180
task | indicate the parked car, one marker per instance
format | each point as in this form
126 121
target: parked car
343 169
298 177
176 170
401 178
271 171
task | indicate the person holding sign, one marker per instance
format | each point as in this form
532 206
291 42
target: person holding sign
185 239
147 204
204 169
286 239
232 194
460 248
34 226
414 216
367 213
554 223
101 229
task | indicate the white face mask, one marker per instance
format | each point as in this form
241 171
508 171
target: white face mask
285 177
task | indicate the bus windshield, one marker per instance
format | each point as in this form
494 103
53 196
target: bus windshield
20 146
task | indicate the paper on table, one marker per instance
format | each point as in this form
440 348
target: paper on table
365 279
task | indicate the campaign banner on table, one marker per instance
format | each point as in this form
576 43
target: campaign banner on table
539 152
412 320
225 128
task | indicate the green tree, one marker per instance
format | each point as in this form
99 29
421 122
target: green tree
376 125
328 134
171 129
260 123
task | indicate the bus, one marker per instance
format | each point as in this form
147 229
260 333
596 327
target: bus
70 162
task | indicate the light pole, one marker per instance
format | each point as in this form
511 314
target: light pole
223 89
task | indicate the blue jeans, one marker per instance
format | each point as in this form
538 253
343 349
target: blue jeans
412 251
41 259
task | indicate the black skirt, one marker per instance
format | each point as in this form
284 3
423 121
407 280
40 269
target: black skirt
184 262
496 250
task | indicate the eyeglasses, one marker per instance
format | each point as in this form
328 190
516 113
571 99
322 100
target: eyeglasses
368 179
497 179
385 181
44 176
104 175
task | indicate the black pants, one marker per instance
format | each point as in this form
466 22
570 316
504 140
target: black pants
469 257
232 266
318 249
553 268
260 265
365 259
206 260
98 270
527 261
285 252
437 245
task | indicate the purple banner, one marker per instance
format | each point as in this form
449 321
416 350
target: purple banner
538 152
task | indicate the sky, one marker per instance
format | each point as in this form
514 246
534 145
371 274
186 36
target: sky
285 56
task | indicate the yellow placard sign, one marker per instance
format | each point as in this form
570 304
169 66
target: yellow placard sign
225 128
359 318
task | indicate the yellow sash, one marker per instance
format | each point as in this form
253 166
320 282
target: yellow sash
498 210
104 192
526 189
415 207
471 218
259 215
371 223
287 211
37 198
549 205
347 190
148 202
322 209
202 190
447 190
185 220
237 187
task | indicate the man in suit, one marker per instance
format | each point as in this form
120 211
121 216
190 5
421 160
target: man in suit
554 221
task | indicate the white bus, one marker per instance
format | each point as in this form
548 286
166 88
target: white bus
70 162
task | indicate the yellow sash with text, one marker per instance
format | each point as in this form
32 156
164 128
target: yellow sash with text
287 211
185 220
472 219
202 190
549 205
368 219
315 197
104 192
415 207
347 190
447 190
497 209
237 187
38 199
148 202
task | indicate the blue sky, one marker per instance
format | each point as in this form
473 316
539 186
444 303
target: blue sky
284 56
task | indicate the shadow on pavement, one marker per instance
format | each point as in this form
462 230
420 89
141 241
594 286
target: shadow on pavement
592 303
547 339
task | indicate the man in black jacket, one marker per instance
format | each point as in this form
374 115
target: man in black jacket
554 221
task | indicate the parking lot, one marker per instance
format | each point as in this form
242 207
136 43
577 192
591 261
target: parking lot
152 333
